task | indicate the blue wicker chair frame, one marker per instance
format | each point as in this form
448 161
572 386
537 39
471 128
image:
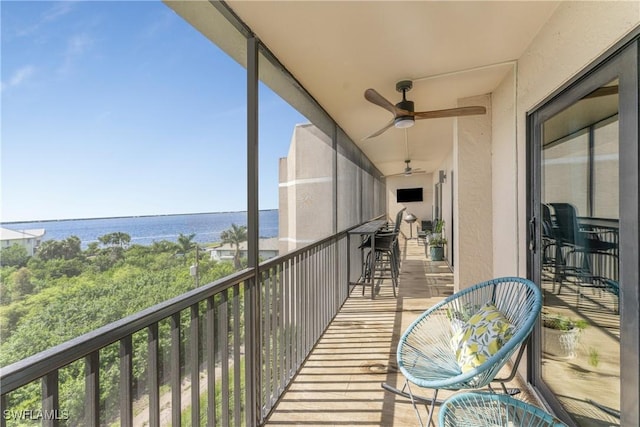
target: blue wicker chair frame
481 409
425 355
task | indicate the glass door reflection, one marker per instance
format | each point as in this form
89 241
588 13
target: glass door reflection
580 270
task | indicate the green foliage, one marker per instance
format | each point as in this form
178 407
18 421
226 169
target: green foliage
437 242
9 317
118 239
14 256
17 285
63 293
92 249
594 357
185 415
186 243
234 236
5 283
562 323
69 248
164 246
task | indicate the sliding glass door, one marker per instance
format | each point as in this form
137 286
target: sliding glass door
583 209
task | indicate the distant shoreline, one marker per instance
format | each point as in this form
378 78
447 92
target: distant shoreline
127 216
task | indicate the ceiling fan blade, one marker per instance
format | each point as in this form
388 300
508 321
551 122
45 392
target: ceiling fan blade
451 112
413 172
374 97
379 132
393 174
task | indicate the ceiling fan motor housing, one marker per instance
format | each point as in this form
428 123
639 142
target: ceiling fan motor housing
404 121
405 105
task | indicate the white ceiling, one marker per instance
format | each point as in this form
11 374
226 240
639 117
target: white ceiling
338 49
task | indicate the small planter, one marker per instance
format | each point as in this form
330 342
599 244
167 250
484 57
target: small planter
436 247
562 344
561 335
437 253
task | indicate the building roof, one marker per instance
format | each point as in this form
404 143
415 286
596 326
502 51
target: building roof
8 234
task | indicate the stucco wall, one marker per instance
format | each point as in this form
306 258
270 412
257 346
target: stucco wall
306 189
472 214
504 166
422 210
575 35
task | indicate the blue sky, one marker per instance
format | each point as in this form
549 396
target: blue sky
122 108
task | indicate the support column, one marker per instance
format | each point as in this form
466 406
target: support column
473 216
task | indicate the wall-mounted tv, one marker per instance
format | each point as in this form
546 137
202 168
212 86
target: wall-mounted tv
404 195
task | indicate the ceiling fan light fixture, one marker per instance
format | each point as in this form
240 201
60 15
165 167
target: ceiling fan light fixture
404 122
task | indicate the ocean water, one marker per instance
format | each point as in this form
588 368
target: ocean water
144 230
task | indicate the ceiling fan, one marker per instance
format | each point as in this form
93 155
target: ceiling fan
408 171
403 112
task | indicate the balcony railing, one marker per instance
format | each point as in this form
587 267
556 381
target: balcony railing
236 342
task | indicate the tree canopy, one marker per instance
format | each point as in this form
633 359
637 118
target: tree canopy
185 243
234 236
115 239
63 292
15 255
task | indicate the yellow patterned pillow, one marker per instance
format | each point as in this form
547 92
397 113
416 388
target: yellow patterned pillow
483 335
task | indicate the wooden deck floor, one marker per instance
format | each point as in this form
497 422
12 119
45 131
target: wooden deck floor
340 384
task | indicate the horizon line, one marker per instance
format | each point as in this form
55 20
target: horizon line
128 216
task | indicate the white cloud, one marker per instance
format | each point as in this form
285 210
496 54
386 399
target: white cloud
19 76
58 10
78 44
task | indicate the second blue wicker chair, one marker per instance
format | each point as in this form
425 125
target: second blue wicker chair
426 352
482 409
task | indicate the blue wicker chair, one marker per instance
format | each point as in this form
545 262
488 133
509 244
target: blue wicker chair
427 355
481 409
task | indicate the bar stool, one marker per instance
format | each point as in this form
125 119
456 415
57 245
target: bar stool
386 257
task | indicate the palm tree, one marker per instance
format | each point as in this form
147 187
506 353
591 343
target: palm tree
234 236
186 243
115 239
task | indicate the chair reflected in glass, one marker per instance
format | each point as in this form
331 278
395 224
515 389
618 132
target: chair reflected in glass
581 252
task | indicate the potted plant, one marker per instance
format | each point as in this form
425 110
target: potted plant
561 334
437 241
436 248
438 227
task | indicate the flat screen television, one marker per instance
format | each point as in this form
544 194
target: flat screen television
404 195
